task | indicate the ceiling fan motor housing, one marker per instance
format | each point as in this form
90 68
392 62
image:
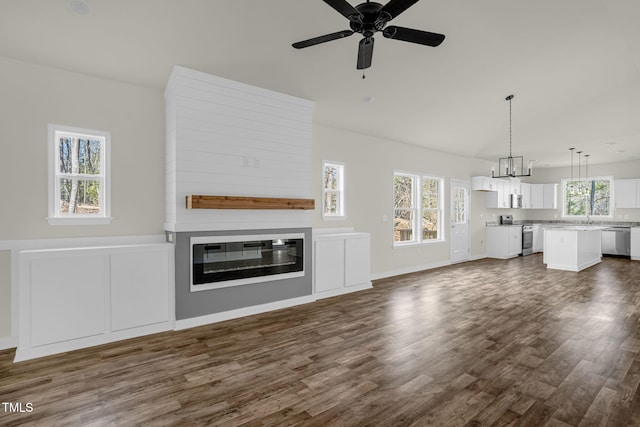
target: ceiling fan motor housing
371 21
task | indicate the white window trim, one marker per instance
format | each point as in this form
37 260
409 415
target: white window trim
594 178
417 199
341 192
54 217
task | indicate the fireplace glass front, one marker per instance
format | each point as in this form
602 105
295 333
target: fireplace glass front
221 261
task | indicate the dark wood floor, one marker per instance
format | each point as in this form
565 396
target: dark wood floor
484 343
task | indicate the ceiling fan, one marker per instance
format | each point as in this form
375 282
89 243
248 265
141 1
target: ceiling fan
369 18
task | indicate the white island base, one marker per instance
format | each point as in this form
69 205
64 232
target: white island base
572 248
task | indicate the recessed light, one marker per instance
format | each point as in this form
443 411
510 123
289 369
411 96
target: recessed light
79 7
609 143
369 99
619 151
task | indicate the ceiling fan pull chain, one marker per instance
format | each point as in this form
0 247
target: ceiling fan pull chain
363 75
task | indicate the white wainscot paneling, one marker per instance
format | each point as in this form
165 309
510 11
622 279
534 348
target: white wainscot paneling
139 283
71 298
67 296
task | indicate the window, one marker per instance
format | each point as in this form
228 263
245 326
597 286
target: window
332 190
78 176
587 198
417 205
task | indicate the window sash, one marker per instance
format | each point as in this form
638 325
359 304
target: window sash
428 191
93 183
333 190
583 205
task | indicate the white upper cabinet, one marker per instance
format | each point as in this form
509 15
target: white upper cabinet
627 193
525 191
537 196
483 183
499 191
550 192
499 199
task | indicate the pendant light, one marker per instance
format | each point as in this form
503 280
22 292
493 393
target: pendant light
572 185
511 165
580 186
587 185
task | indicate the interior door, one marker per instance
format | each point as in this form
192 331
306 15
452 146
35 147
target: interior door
459 215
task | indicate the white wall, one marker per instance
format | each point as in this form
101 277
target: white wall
32 97
369 163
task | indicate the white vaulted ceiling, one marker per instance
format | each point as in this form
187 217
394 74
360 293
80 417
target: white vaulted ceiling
573 65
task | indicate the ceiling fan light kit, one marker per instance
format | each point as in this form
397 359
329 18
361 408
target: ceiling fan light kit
511 165
369 18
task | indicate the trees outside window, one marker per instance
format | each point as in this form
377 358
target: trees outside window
587 198
418 208
78 178
333 196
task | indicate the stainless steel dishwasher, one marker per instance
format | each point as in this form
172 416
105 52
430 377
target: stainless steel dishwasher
616 241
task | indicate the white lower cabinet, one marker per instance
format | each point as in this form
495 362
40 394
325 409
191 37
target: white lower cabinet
341 263
635 243
72 298
538 238
504 241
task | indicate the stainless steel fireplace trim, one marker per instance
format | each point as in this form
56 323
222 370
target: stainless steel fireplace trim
241 238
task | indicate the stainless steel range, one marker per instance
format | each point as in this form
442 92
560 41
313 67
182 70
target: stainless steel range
527 240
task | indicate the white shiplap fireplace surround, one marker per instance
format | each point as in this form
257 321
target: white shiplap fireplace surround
225 138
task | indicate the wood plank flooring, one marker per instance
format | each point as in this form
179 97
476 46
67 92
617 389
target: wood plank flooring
483 343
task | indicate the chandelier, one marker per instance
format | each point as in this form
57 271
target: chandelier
511 166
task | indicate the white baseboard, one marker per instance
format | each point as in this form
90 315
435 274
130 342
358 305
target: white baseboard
415 269
241 312
8 342
62 347
342 291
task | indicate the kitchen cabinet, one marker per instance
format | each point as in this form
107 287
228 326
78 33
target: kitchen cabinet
525 191
572 248
504 241
543 196
500 198
627 193
341 263
635 243
537 196
550 194
483 183
538 238
515 186
499 191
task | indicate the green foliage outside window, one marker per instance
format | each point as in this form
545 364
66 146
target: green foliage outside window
587 198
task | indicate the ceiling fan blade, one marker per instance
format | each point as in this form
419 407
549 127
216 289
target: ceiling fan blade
395 8
345 9
413 36
365 53
322 39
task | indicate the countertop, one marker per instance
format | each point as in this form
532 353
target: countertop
561 223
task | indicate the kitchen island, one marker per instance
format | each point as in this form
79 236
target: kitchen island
572 248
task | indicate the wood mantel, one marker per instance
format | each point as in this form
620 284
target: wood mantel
241 202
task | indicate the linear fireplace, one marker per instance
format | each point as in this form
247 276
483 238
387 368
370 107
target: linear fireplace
223 261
